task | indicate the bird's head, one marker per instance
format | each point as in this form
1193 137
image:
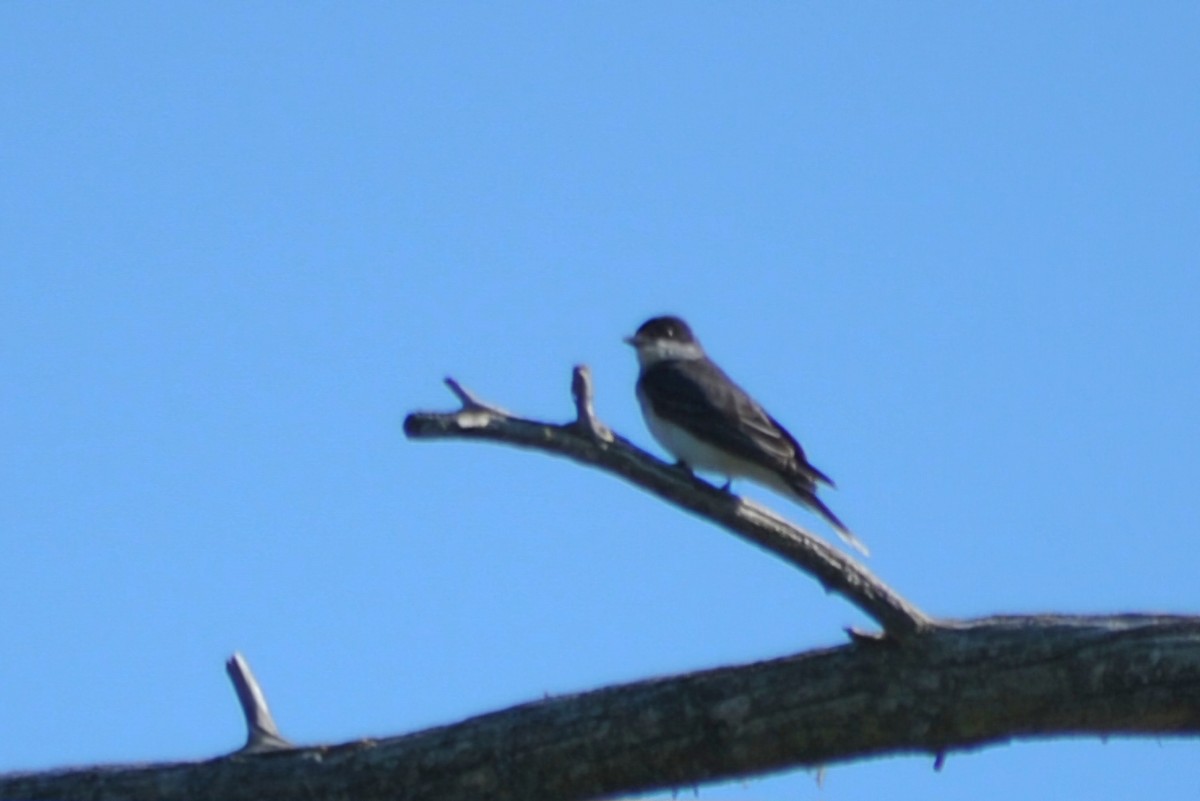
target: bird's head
662 338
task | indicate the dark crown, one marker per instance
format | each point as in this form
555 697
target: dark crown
667 327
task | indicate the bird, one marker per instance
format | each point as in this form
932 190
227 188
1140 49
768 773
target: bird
707 422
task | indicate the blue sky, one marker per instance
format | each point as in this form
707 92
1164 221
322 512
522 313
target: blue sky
954 247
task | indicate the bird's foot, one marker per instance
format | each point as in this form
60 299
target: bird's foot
728 486
685 467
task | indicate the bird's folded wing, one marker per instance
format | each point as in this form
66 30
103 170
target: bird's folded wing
702 400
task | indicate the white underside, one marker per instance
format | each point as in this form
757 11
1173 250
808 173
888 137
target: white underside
701 456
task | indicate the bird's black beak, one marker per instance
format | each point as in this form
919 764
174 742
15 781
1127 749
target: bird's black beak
631 341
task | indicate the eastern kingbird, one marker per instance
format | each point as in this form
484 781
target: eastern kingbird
708 422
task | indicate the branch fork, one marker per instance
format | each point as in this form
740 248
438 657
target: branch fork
922 686
589 441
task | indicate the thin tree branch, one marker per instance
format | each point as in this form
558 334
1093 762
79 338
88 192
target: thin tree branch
585 410
958 687
587 441
262 734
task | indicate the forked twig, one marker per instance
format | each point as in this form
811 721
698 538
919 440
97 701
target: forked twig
588 441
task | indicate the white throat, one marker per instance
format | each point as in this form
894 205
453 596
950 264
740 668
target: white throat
659 350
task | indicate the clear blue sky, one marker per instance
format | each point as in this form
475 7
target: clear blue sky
954 247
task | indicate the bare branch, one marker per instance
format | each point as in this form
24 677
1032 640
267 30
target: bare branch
836 571
470 402
585 410
261 732
957 687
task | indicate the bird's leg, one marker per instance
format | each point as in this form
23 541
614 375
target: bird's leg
728 485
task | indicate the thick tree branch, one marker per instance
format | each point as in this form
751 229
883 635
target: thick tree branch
586 441
957 687
931 687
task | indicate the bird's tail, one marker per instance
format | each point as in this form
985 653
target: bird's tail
816 504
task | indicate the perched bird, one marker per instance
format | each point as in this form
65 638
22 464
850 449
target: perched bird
708 422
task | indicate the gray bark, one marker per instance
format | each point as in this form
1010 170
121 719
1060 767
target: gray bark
948 689
922 686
